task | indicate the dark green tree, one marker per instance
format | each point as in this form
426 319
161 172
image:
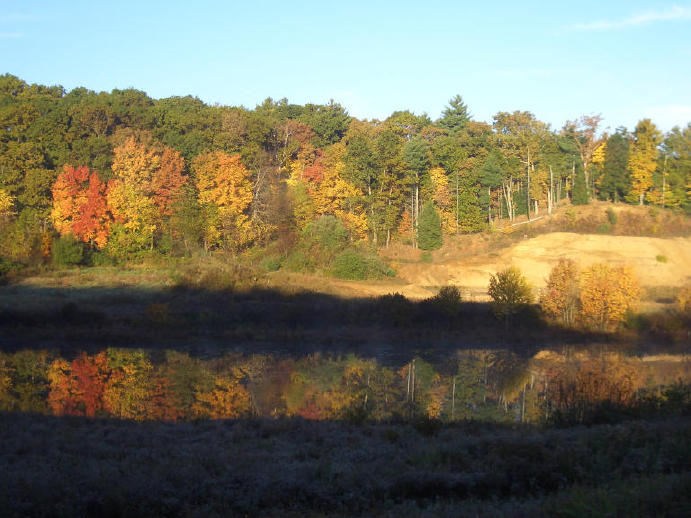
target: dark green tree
455 116
615 181
579 195
429 229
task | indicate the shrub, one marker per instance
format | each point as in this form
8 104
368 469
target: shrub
510 292
327 233
353 265
426 257
271 263
612 216
395 309
67 251
448 301
604 228
661 258
298 262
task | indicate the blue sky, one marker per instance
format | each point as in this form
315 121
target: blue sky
624 59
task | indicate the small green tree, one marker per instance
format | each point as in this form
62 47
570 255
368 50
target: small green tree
67 251
429 229
510 292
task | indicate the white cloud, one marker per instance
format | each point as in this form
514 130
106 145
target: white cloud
672 14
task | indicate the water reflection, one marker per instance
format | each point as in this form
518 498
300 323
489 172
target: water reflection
482 384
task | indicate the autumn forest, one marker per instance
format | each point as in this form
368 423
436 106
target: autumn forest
190 323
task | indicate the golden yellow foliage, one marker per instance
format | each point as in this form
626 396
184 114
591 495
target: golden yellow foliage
599 154
227 399
334 195
6 203
224 185
559 299
607 294
643 159
441 195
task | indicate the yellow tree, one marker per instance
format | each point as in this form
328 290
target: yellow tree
560 297
643 159
443 201
6 204
510 292
598 160
225 194
607 294
147 180
336 196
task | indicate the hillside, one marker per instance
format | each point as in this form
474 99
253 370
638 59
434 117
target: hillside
536 256
660 263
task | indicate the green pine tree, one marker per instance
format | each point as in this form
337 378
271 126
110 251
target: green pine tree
615 183
579 195
429 228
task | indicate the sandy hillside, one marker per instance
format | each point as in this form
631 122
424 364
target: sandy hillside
536 257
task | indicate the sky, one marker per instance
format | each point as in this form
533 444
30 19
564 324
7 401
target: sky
626 60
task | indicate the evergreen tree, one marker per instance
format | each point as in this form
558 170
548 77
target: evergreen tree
615 182
429 231
579 195
455 115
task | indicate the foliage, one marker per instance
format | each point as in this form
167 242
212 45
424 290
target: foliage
429 230
80 207
643 159
354 265
607 294
510 292
560 297
67 251
134 176
612 216
225 194
271 263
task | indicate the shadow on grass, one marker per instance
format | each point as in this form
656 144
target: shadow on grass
292 467
207 322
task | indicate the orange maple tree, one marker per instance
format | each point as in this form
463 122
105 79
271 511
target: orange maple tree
80 207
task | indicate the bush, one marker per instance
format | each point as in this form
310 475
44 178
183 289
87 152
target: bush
298 262
448 301
661 258
426 257
67 251
604 228
612 216
101 259
353 265
271 263
326 233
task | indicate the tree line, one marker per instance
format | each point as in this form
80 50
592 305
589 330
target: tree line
126 175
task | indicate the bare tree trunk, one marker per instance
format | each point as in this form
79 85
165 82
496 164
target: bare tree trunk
412 218
453 400
550 194
664 174
457 201
527 192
